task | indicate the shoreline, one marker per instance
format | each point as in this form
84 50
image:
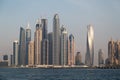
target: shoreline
75 67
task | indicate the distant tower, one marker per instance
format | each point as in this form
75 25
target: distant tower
71 50
111 51
15 53
56 40
117 53
64 47
78 59
22 47
38 42
90 46
50 39
100 58
31 53
11 60
28 39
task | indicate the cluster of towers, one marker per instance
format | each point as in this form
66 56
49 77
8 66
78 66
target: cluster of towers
113 53
54 48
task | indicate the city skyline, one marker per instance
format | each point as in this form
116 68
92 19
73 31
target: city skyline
103 15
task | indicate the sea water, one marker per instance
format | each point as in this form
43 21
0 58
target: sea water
58 74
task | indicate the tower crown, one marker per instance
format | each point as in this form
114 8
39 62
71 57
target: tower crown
56 16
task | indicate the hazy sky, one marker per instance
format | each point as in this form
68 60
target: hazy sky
104 15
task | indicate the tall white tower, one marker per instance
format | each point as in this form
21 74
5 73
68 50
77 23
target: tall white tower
56 40
64 47
90 46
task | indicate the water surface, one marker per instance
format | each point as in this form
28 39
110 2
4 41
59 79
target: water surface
58 74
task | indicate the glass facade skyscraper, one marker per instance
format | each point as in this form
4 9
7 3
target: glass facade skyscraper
71 50
38 43
64 47
50 39
15 53
45 42
28 39
22 47
45 50
90 46
56 40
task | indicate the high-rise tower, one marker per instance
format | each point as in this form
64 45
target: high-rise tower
28 39
117 53
111 51
56 40
64 47
22 47
45 50
15 53
44 55
71 50
31 53
90 46
38 42
50 39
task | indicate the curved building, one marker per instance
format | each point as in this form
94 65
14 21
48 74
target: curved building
90 46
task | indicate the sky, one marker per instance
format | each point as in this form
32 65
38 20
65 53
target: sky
75 15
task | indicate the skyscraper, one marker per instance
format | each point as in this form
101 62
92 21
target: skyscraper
45 50
71 50
111 51
22 47
56 40
90 46
28 39
31 53
100 58
45 43
50 39
117 53
15 53
64 47
38 43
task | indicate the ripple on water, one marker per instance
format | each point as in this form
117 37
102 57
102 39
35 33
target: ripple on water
58 74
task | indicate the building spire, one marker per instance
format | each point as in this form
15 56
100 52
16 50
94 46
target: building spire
28 26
